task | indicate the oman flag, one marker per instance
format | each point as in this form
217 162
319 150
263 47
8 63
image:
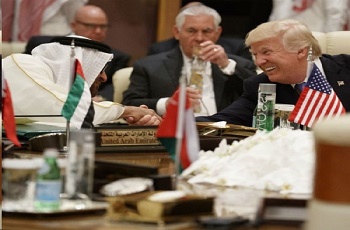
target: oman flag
188 149
78 100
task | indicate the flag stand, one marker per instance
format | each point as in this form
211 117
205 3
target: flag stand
180 126
310 63
72 67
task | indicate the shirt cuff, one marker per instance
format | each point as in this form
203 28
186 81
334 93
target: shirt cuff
161 106
230 68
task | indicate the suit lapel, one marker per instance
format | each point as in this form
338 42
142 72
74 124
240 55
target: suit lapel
286 94
331 69
173 64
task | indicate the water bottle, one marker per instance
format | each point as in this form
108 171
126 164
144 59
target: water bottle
48 183
266 107
80 167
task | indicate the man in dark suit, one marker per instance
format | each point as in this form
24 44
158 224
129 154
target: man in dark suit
282 55
91 21
155 78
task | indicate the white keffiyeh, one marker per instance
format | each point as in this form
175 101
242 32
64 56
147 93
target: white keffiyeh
57 57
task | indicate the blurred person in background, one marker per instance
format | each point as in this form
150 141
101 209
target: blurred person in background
23 19
318 15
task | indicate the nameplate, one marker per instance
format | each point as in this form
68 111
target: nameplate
124 135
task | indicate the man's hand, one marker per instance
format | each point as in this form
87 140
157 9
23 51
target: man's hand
194 96
145 120
141 115
214 53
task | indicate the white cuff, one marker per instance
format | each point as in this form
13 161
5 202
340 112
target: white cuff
230 68
161 106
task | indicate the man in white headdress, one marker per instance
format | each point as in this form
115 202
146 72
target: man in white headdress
40 82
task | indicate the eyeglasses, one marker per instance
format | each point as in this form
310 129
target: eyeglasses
91 26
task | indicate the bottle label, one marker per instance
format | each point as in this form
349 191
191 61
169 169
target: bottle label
48 190
265 112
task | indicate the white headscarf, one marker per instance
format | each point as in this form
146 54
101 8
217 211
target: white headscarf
58 58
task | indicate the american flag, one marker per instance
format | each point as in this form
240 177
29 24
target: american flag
317 101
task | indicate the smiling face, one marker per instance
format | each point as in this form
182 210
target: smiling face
195 30
279 64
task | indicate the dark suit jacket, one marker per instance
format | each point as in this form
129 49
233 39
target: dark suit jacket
120 60
157 76
231 45
240 112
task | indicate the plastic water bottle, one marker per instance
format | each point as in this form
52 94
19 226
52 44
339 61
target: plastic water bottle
265 113
48 183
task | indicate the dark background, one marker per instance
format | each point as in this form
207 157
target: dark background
239 16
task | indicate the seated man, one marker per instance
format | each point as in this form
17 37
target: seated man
281 49
155 78
91 21
40 82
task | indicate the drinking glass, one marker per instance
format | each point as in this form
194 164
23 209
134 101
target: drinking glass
18 183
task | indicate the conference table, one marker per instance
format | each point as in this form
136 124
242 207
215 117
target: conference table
247 206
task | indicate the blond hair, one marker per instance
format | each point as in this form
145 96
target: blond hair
294 35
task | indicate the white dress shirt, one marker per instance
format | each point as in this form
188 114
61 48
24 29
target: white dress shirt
208 105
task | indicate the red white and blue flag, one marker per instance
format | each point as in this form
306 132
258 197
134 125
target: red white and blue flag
167 132
78 100
317 101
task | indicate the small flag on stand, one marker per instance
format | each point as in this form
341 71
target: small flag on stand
78 100
8 117
317 101
188 149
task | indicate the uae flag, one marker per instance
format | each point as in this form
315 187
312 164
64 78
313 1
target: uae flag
8 114
317 101
184 147
78 100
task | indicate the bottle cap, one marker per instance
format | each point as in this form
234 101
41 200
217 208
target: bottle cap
51 152
267 88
